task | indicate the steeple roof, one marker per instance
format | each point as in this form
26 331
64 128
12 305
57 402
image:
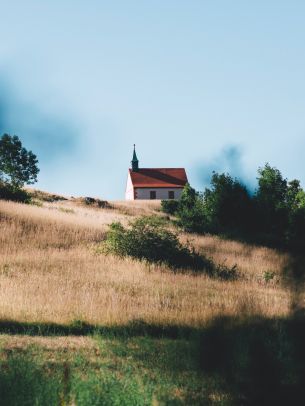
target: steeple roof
134 157
135 161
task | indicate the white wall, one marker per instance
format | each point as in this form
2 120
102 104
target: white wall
161 193
129 189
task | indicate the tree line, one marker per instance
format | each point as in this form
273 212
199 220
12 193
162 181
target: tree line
274 214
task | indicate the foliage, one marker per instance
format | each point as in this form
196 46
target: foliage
295 233
271 204
91 201
295 195
273 215
45 196
17 165
260 361
8 192
169 206
272 187
268 276
222 271
190 212
226 204
280 208
148 238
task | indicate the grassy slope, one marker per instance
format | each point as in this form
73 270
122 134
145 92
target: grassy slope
113 331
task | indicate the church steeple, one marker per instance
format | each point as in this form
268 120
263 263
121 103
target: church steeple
135 161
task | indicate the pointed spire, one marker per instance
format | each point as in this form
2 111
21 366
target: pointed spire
135 161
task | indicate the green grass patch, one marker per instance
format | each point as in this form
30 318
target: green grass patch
135 371
249 360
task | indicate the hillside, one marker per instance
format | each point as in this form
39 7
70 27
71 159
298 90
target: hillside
95 324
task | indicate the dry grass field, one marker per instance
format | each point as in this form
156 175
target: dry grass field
50 272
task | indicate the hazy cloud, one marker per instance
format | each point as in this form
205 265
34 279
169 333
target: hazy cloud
49 135
228 160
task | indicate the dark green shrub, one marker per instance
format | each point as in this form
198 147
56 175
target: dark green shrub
91 201
9 192
169 206
221 271
190 213
227 205
268 276
295 233
148 238
192 219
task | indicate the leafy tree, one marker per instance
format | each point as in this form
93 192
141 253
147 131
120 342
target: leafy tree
188 196
272 202
272 188
17 165
274 215
227 204
295 233
295 195
170 206
190 212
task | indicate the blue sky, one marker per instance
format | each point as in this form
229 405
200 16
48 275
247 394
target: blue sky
199 84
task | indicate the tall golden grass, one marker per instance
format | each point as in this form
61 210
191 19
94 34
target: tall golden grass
50 272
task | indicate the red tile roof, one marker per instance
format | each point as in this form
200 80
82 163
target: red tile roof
158 177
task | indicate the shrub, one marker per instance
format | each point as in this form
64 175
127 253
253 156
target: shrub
221 271
169 206
91 201
268 276
192 219
9 192
45 196
148 238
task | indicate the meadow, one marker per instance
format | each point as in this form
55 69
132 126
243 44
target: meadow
98 329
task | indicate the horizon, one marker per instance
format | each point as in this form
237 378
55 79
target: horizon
197 85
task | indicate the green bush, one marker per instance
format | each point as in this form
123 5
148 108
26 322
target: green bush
221 271
148 238
9 192
170 206
91 201
268 276
192 219
190 213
